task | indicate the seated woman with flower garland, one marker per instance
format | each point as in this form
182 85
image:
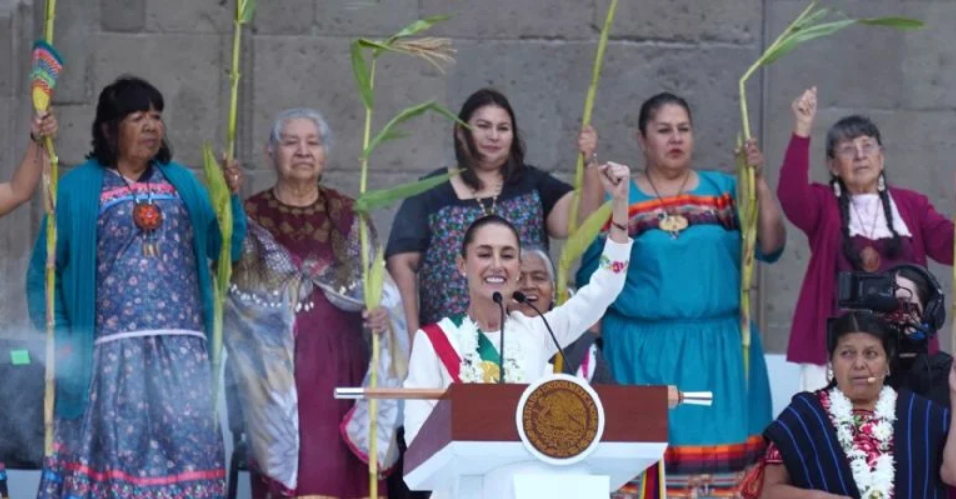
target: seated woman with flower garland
859 437
465 348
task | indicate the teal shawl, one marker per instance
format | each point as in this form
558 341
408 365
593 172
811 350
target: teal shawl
78 204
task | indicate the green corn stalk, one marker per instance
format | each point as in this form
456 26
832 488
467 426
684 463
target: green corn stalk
50 187
220 194
435 51
585 121
812 23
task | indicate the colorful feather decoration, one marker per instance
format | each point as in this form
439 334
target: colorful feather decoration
47 66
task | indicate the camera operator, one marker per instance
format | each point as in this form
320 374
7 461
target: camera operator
910 299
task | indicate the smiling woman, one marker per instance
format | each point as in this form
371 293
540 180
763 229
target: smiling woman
465 347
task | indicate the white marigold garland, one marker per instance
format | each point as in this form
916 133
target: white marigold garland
876 482
471 363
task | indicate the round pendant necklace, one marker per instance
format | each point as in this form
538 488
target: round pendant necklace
869 256
667 221
494 200
147 216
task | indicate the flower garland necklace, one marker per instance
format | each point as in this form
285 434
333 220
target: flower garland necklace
476 370
873 479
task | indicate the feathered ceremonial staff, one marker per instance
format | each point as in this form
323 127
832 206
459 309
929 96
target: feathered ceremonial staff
812 23
575 246
47 66
220 195
435 51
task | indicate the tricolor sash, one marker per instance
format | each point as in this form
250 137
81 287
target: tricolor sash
438 336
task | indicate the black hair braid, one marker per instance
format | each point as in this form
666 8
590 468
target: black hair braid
893 248
844 201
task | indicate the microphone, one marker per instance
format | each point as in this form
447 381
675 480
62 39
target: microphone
872 379
521 298
497 298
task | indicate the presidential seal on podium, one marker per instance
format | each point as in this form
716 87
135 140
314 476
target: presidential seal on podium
560 419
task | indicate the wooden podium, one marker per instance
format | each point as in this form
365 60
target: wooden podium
470 447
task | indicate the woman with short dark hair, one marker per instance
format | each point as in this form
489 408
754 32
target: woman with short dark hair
136 234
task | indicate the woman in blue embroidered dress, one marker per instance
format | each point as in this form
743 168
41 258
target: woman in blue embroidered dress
678 320
134 408
858 437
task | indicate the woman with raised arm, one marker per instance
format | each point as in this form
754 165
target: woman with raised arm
26 178
463 348
858 221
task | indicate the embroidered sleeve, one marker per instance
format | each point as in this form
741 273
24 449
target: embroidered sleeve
587 306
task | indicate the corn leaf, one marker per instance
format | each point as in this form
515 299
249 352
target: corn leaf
374 44
418 26
785 47
219 192
821 29
246 10
376 281
389 130
393 135
894 22
812 18
585 235
372 200
362 77
807 31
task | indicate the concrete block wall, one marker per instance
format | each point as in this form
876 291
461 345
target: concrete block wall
539 52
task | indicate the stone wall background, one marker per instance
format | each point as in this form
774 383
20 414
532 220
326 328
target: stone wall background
539 52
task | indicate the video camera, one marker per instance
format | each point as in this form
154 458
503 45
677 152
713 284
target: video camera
879 293
913 367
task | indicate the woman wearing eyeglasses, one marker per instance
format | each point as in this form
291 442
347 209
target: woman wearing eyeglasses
856 222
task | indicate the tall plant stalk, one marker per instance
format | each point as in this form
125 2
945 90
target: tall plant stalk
364 239
221 196
586 116
50 186
570 253
435 51
812 23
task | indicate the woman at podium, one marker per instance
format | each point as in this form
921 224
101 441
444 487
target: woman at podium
465 348
858 437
